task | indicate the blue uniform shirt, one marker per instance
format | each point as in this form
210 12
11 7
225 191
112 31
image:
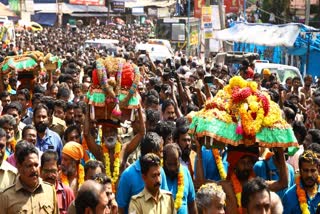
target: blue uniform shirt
51 138
261 171
131 183
209 165
291 204
188 193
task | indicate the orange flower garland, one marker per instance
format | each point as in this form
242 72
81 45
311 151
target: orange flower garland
302 198
218 159
13 144
180 188
237 190
64 178
116 164
85 149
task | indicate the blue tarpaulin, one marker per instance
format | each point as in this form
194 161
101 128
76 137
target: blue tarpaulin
268 49
47 19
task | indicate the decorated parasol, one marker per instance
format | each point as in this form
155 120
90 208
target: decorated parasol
242 114
19 64
119 21
28 66
113 92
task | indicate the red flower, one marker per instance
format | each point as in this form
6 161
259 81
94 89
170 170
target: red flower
240 95
265 103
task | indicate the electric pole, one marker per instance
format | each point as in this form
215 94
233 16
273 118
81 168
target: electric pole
307 16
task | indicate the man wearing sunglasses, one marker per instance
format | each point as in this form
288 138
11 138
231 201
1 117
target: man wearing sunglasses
8 173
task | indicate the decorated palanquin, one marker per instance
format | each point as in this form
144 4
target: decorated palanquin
28 66
242 114
113 93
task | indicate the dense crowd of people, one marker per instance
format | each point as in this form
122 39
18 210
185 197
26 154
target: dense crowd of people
55 156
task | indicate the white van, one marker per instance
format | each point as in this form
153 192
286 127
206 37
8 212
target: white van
282 71
161 42
156 52
107 44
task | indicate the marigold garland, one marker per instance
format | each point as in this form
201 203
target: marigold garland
85 148
13 144
218 159
302 197
64 178
116 163
180 189
237 190
241 102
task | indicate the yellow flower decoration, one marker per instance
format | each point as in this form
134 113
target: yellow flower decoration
64 178
116 164
218 159
253 85
237 81
180 188
273 116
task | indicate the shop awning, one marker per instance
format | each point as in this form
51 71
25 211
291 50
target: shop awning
5 11
89 14
146 3
48 19
68 8
261 34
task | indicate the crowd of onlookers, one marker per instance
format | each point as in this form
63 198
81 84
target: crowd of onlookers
150 163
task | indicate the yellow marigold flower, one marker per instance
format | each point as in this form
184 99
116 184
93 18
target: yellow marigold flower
253 85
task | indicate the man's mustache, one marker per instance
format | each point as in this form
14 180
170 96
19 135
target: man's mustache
34 174
157 185
310 179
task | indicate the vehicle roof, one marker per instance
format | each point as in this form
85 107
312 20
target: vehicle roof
234 57
148 47
274 65
156 51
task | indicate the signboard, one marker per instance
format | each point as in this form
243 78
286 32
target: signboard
152 12
194 38
197 7
88 2
118 6
215 17
170 20
163 12
137 11
233 6
14 5
207 25
206 20
208 34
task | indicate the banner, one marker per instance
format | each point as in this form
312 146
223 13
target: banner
88 2
194 38
206 20
137 11
118 6
233 6
197 8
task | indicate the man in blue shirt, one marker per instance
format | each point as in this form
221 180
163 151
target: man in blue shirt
209 165
309 175
174 170
268 170
131 182
46 139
